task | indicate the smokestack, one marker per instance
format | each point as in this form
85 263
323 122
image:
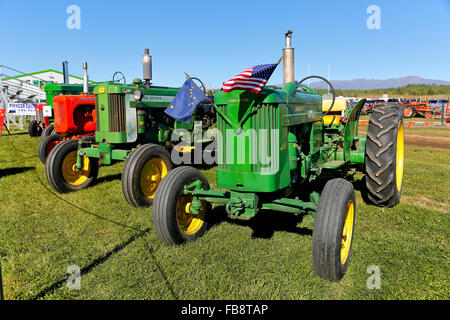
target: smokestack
66 72
147 68
85 78
288 59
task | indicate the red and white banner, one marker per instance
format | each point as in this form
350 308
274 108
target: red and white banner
2 119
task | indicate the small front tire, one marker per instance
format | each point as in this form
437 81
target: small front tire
60 168
142 173
46 145
172 220
333 230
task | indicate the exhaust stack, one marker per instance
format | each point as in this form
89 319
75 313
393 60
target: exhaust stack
66 72
147 68
85 79
288 59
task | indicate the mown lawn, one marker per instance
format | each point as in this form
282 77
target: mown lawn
269 257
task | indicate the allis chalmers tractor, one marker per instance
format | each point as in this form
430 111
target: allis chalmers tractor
131 125
74 118
289 143
417 109
43 125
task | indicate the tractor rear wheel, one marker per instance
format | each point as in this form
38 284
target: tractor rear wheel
60 168
143 172
408 111
46 145
48 131
172 219
34 129
333 230
384 157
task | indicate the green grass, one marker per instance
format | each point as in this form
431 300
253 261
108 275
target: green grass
269 257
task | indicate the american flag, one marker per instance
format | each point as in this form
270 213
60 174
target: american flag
253 79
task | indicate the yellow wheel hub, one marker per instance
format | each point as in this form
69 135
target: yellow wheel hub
152 173
400 157
69 172
347 232
189 223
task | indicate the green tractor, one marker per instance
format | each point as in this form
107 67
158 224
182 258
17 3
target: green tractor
131 126
289 143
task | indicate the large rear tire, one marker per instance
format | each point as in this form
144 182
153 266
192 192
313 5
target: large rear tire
384 156
172 220
333 230
46 145
142 173
60 168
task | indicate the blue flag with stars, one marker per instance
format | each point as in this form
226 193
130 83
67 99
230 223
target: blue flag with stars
183 105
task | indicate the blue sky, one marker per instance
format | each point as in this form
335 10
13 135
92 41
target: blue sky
215 40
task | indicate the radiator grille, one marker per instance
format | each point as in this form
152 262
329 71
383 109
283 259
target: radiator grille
97 122
40 116
117 112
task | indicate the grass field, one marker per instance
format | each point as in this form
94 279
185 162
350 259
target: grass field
269 257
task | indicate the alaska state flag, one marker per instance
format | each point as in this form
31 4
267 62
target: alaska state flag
183 105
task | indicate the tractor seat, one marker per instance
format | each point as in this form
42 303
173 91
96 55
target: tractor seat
334 116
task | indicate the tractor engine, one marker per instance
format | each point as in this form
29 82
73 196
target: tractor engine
74 114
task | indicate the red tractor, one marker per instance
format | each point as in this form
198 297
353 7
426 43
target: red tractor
417 108
75 118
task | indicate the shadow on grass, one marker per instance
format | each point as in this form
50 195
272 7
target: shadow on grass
17 134
109 178
13 171
98 261
264 224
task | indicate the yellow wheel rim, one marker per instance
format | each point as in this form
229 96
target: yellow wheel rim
347 232
154 170
72 176
400 157
189 223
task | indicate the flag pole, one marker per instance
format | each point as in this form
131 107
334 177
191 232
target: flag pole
247 113
217 108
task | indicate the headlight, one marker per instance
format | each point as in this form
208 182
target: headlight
138 95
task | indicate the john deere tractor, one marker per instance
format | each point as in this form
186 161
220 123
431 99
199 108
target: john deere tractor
131 126
291 144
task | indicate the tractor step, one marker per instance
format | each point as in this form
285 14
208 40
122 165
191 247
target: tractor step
333 164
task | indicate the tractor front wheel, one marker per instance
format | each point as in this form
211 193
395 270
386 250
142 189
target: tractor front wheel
143 172
34 130
408 111
46 145
384 157
172 218
48 131
333 230
61 172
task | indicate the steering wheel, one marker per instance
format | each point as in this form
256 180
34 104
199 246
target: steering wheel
118 77
201 86
308 89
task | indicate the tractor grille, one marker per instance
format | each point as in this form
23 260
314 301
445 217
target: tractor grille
117 112
97 122
40 116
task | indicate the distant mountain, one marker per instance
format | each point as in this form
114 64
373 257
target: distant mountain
367 84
